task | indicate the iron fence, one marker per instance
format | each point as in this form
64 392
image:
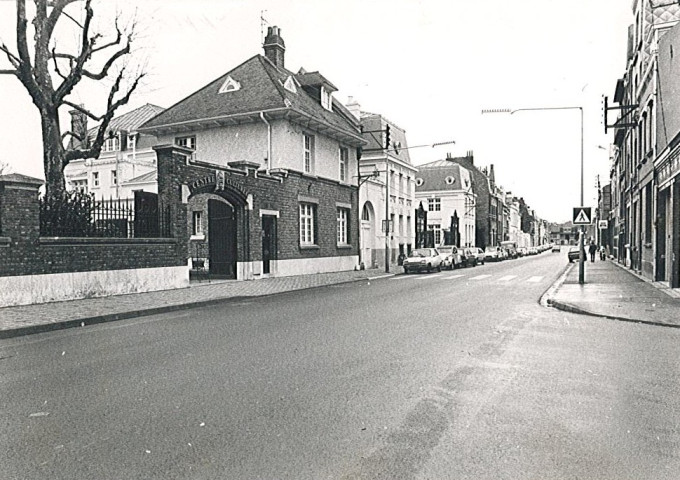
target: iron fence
78 214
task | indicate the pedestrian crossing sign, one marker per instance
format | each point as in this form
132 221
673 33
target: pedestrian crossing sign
582 216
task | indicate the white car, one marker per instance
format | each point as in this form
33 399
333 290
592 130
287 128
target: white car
423 259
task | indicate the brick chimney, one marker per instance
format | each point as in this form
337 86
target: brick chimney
78 127
274 47
354 107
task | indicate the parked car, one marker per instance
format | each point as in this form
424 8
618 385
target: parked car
423 259
510 249
469 257
522 251
556 247
532 251
572 253
451 256
479 255
493 254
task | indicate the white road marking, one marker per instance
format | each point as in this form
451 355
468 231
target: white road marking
455 276
425 277
507 278
400 277
479 277
535 279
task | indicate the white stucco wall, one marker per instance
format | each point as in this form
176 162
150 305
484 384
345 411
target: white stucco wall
222 145
28 289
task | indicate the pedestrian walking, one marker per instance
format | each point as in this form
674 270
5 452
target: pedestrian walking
592 249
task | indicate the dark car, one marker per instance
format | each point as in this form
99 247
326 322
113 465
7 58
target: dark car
573 254
469 257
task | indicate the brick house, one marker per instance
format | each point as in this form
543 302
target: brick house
270 175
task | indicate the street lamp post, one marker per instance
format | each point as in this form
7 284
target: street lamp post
581 264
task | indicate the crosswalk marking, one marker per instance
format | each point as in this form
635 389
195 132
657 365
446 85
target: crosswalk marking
455 276
479 277
535 279
425 277
399 277
507 278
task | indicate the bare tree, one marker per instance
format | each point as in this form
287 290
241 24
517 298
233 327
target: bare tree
5 168
50 76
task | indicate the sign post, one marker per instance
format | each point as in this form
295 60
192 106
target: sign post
582 216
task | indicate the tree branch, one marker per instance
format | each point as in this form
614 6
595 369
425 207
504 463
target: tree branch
105 69
112 106
75 74
83 110
56 64
57 9
13 59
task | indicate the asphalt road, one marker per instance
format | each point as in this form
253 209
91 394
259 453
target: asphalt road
454 375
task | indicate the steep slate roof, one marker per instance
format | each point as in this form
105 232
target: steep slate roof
261 90
435 175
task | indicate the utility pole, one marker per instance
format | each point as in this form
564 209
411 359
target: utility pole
387 199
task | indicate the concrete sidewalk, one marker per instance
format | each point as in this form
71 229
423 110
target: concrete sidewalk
613 291
27 319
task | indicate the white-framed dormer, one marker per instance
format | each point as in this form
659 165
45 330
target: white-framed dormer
229 85
326 98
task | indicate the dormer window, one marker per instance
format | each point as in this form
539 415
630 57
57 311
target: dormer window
289 85
111 144
326 99
230 85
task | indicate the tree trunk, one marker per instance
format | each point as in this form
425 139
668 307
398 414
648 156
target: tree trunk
53 154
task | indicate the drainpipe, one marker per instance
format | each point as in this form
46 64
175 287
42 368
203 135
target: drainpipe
269 141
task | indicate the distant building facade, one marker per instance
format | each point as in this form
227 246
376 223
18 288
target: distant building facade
444 188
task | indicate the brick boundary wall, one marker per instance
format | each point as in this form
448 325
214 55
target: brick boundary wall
55 268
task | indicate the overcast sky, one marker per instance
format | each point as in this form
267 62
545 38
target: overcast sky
429 66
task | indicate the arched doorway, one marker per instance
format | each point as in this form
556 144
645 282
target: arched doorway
367 235
217 233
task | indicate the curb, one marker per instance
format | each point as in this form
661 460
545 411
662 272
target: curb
582 311
97 319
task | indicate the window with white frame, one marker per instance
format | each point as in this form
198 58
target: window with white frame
343 226
437 229
80 185
434 204
197 223
114 177
326 99
131 141
308 147
111 144
188 142
95 179
307 223
344 158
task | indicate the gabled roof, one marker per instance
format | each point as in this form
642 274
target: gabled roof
261 91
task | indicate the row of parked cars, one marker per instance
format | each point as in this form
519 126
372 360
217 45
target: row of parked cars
451 257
